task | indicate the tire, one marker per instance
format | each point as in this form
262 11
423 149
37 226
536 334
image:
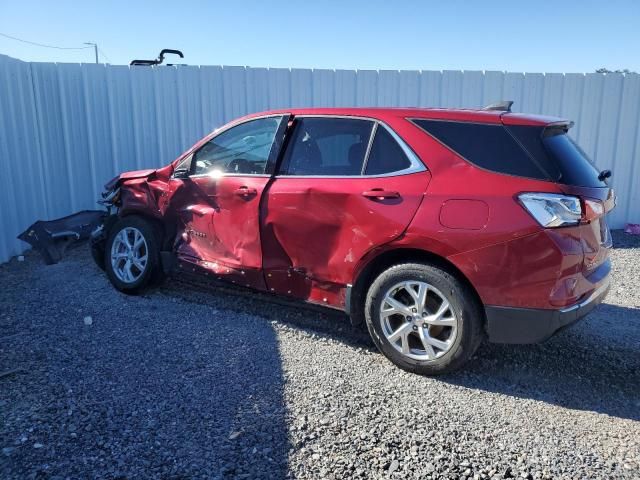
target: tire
97 253
138 278
409 338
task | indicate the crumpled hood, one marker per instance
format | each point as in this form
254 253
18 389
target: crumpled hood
115 181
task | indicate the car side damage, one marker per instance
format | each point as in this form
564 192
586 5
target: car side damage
434 228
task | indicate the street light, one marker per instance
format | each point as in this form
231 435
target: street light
95 48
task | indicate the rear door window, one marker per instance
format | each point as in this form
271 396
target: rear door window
386 155
325 146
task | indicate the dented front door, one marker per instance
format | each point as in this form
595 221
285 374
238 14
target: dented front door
221 232
221 220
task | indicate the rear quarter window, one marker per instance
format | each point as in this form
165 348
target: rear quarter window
488 146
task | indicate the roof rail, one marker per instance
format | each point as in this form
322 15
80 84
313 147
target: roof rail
502 106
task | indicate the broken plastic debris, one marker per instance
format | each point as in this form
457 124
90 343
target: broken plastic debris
88 320
234 435
632 228
21 258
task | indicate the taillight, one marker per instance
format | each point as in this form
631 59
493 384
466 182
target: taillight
555 210
551 209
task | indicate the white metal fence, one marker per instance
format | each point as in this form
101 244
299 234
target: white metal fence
65 129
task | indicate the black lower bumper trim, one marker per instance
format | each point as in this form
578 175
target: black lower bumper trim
532 325
51 238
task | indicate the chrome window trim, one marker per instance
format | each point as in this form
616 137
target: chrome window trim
225 174
398 173
415 167
365 162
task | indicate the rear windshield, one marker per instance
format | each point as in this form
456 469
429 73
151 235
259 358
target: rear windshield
524 151
557 151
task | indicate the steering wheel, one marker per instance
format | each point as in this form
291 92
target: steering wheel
239 165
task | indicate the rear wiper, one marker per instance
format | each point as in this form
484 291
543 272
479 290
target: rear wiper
604 174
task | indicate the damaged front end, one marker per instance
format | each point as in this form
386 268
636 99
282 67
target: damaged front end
52 238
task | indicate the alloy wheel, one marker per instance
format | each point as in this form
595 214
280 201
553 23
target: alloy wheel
129 255
418 320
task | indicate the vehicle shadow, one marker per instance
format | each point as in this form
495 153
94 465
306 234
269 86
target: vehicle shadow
575 370
593 365
622 240
145 386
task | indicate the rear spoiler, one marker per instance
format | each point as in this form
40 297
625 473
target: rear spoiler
557 128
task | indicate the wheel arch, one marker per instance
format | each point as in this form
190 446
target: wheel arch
386 259
157 223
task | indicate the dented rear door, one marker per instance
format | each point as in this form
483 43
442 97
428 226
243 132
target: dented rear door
316 227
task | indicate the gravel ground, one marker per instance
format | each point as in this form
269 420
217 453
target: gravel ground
188 382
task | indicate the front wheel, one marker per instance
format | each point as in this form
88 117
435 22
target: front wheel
132 254
423 318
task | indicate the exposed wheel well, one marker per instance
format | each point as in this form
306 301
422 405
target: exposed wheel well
394 257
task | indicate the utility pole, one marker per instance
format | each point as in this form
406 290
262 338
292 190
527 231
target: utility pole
95 48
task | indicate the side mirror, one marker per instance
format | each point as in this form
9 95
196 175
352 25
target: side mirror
181 173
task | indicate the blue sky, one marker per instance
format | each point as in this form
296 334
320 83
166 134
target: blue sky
532 36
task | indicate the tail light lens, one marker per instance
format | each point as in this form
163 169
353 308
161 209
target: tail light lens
552 209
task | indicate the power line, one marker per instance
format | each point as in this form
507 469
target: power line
104 54
42 44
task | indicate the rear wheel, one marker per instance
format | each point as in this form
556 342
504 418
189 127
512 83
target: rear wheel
132 254
423 318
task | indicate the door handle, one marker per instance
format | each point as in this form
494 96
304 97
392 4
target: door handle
246 191
380 194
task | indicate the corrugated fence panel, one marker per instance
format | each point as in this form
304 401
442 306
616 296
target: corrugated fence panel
97 119
345 88
67 128
22 194
628 149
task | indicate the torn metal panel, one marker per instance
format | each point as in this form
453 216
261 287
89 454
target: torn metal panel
118 180
51 238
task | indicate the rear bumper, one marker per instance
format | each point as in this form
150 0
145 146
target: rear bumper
533 325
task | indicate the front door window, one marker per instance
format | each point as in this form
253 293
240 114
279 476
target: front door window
240 150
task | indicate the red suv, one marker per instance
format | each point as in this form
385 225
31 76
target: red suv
435 227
